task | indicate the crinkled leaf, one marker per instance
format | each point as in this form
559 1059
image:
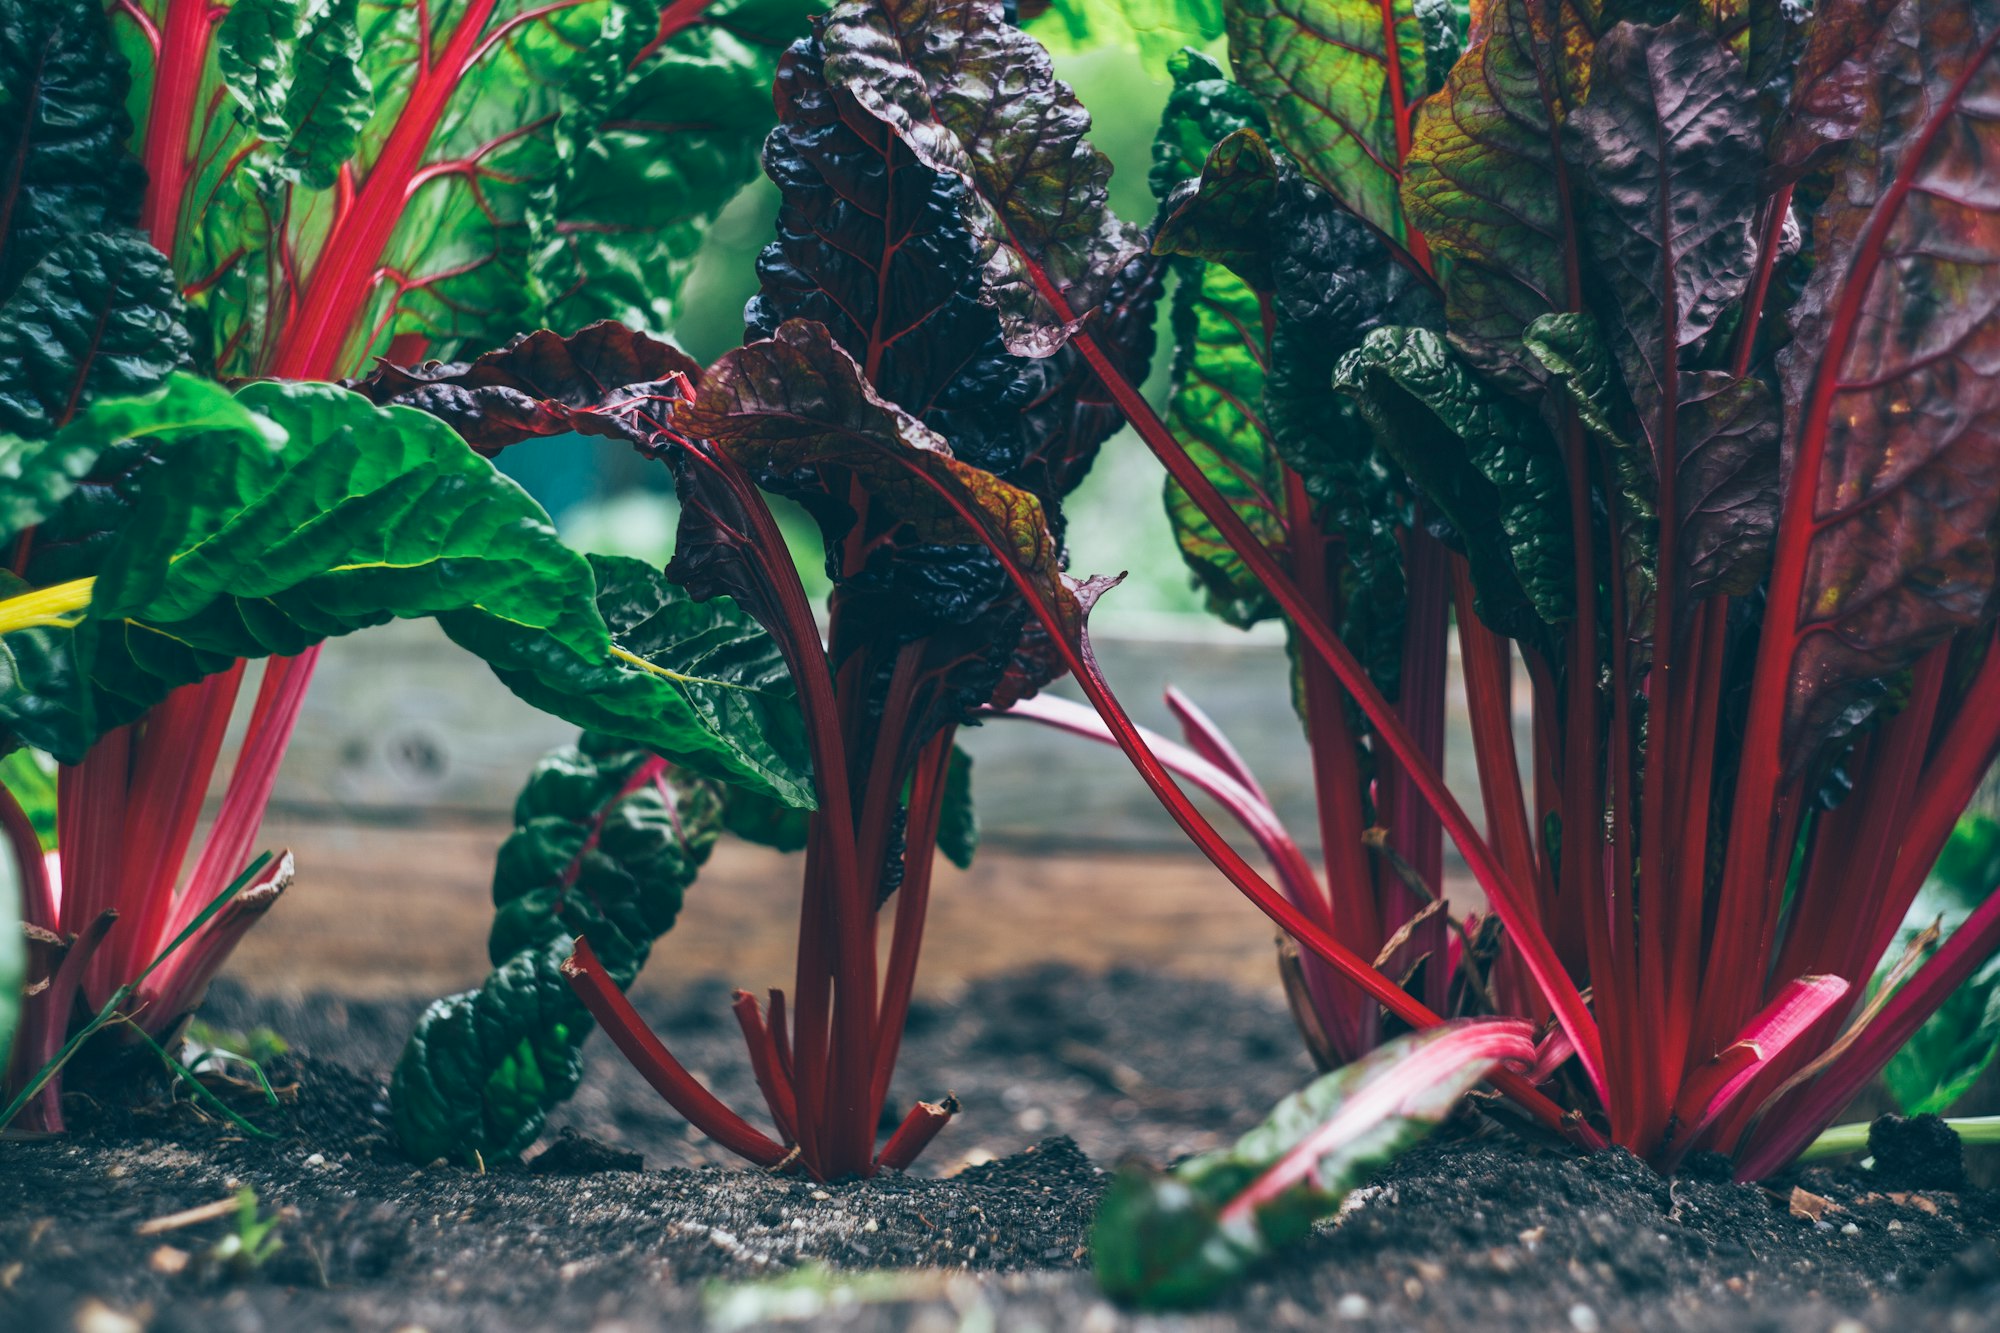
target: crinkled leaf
1204 107
299 75
1893 371
1486 183
98 316
1571 349
605 381
873 244
606 842
1335 282
1336 76
976 98
64 169
1226 216
254 46
1180 1238
796 404
330 97
1443 26
797 401
647 157
1485 465
1665 156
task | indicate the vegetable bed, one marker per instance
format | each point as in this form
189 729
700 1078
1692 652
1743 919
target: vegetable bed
1060 1072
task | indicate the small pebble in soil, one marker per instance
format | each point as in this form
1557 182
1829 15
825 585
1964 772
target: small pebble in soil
1351 1306
1583 1319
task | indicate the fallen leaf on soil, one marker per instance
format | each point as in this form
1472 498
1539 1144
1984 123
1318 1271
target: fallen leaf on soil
1811 1207
1921 1203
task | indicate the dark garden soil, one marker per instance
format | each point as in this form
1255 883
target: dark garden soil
1059 1073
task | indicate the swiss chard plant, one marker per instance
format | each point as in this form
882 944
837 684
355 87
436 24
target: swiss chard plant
1653 355
270 189
881 395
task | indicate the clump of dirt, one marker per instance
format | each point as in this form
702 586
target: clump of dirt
1919 1153
574 1154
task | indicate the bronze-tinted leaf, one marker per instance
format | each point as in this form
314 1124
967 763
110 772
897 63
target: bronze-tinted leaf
1893 455
1487 185
605 381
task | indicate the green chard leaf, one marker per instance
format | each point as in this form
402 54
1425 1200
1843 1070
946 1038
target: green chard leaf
976 98
1487 185
1215 411
64 169
1954 1046
607 839
648 155
1483 462
1180 1238
1215 408
289 513
1894 351
674 657
958 822
1339 79
97 317
87 308
1204 108
1327 282
707 664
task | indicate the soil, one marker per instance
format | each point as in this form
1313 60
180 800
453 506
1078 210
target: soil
1060 1073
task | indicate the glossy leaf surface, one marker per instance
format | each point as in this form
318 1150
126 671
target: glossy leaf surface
976 98
606 842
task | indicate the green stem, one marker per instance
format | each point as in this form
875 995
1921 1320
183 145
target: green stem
1978 1131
